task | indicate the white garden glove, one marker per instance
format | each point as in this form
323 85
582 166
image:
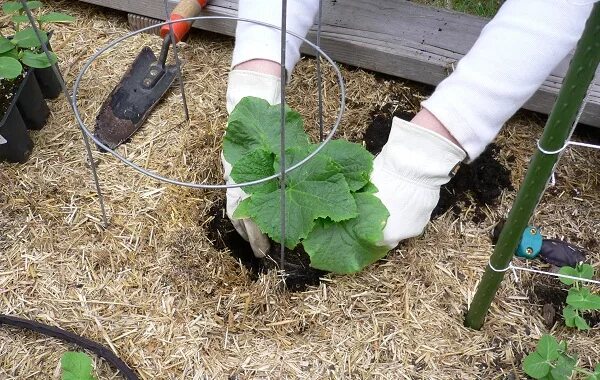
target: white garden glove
408 173
244 83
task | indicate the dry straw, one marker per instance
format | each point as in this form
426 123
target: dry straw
154 289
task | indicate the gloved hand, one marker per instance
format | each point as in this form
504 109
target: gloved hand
244 83
408 173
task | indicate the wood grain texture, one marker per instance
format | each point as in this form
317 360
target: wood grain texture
388 36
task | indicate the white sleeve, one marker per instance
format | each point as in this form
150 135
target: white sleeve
512 57
253 41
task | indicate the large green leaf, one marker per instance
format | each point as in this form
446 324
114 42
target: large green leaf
583 299
356 161
10 68
55 17
38 60
349 246
254 124
254 166
12 6
76 366
316 189
27 38
5 45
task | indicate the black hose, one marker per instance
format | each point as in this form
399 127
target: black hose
70 337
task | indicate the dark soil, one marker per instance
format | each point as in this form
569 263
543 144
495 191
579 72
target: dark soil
479 183
8 88
551 294
298 274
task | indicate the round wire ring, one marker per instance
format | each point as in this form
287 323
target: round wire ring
159 177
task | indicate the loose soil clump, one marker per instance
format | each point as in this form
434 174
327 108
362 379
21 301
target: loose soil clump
479 183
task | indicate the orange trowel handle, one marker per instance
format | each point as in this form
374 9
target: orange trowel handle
185 9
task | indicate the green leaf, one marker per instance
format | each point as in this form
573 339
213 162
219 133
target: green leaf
27 38
569 314
34 4
11 53
568 271
37 60
582 299
349 246
369 188
548 347
581 323
585 271
356 161
254 124
254 166
20 19
5 45
563 369
10 68
76 366
55 17
536 366
12 7
316 189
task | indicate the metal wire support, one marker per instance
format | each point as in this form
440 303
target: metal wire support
319 74
151 174
282 132
177 64
65 91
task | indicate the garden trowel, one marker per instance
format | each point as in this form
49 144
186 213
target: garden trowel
144 84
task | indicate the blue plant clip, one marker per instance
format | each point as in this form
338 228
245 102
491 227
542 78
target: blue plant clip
530 244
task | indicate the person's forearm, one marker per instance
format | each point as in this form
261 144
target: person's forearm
515 53
257 46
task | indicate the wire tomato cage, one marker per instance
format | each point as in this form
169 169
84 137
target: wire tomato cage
281 176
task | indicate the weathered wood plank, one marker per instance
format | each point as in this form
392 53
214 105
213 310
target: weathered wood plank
389 36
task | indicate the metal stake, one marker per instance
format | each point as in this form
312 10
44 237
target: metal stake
88 148
319 75
282 131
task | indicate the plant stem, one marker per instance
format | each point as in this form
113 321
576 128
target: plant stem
557 131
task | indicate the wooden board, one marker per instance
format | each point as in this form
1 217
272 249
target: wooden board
389 36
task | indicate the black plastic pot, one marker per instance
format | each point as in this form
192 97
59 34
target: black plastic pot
28 110
32 104
48 82
15 143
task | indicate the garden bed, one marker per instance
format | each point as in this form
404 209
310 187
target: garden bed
158 289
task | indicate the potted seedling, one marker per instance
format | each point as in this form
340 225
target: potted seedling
26 79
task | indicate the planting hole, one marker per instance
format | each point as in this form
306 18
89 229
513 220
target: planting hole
299 274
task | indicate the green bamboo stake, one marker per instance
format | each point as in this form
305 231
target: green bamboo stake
556 132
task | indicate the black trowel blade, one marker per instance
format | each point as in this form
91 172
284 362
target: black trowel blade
130 102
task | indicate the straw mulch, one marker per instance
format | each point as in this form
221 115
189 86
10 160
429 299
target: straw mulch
154 289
